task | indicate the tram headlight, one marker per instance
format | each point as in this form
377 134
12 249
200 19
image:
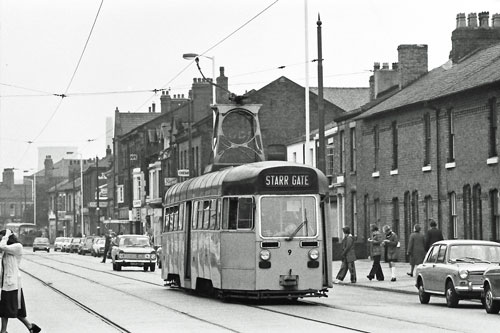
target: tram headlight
265 255
314 254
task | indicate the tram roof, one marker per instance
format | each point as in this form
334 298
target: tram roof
239 180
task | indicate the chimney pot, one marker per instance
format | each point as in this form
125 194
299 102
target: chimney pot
385 65
472 20
376 65
484 19
153 107
495 21
461 20
395 66
149 109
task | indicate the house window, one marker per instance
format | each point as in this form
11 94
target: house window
428 210
414 208
427 139
375 147
354 214
453 216
493 128
467 212
477 218
395 215
342 151
353 149
451 136
119 194
330 151
394 129
495 215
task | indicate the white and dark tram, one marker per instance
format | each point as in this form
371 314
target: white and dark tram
254 231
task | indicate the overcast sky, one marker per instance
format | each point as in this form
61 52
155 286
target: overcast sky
137 46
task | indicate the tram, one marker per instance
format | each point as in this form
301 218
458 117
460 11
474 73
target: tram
26 232
256 230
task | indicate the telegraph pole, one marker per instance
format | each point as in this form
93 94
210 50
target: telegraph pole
321 112
97 194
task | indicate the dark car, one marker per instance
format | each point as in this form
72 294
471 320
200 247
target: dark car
491 289
454 269
41 243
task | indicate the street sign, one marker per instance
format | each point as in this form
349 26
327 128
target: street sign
133 157
169 181
183 173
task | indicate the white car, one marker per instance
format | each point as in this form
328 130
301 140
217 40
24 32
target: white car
98 247
133 250
58 243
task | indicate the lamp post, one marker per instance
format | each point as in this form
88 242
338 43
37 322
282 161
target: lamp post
81 190
193 56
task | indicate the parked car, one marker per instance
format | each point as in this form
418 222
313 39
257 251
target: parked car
454 269
133 250
41 243
75 244
86 245
98 247
491 290
66 243
58 243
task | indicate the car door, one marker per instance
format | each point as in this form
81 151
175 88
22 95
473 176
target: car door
441 270
426 270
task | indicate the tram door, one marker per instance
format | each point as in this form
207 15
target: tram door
187 243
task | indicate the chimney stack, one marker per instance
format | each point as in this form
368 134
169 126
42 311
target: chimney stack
48 166
412 62
484 19
221 95
165 102
8 177
461 23
472 20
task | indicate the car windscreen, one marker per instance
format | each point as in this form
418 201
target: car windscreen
474 253
41 240
134 241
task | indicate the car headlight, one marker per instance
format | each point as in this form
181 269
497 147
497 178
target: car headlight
121 255
464 274
314 254
265 255
147 255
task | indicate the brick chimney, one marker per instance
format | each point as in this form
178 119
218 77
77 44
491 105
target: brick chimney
412 63
201 93
165 102
48 166
222 80
468 39
383 79
8 177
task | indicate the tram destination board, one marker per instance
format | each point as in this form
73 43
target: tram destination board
289 181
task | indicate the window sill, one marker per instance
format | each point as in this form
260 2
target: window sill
394 172
450 165
426 168
492 160
376 174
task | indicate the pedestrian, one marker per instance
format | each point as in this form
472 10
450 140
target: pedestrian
376 252
416 248
433 235
348 257
107 245
11 297
391 248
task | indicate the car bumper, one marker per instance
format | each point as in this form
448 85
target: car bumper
469 289
44 248
136 262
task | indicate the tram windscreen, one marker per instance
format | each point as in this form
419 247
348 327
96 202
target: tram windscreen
285 216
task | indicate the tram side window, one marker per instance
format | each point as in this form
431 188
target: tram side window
213 214
181 217
194 215
175 218
237 213
206 214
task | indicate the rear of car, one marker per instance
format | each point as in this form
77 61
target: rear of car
98 247
86 245
41 244
75 244
58 243
65 244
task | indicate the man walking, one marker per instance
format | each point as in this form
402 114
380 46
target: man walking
107 245
348 257
433 235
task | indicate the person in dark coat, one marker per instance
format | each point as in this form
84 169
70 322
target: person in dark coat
348 257
433 235
391 244
376 252
416 248
107 245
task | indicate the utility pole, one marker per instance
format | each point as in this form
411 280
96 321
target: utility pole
321 112
97 194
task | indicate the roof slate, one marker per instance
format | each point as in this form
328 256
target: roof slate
480 68
345 98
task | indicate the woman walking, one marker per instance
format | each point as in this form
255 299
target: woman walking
391 243
11 296
376 253
416 248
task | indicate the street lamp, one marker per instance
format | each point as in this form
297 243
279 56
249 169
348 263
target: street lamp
33 195
194 56
81 189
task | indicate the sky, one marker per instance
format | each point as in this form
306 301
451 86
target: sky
108 54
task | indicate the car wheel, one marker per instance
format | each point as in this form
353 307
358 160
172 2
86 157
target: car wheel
48 250
34 250
423 296
145 268
114 266
152 267
451 295
118 267
490 305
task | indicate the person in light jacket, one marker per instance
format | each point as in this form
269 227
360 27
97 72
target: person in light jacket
11 295
376 252
348 257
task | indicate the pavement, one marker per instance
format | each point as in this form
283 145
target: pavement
404 284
